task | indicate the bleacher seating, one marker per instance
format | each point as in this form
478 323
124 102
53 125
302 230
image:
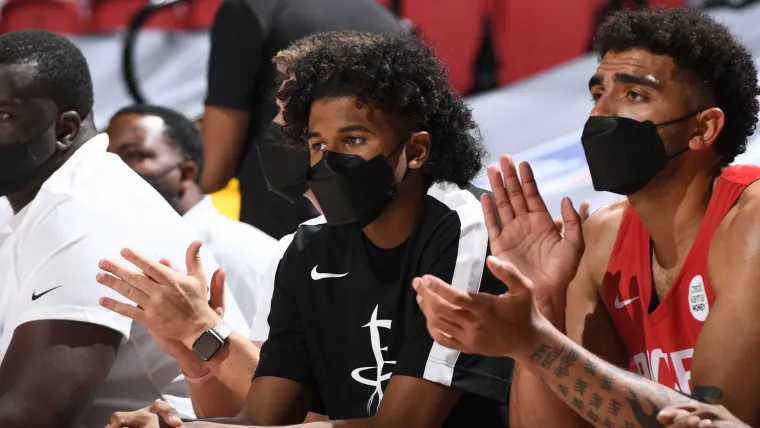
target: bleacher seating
115 15
60 16
456 30
200 13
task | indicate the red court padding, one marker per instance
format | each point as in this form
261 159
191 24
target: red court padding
201 13
455 27
531 36
115 15
59 16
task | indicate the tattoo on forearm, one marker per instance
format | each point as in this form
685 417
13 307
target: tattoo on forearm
564 390
577 403
580 386
565 362
645 419
614 408
593 417
606 383
609 424
596 401
589 367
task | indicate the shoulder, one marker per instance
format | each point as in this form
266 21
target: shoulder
457 210
600 233
735 239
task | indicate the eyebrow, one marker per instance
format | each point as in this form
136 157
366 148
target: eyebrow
343 130
648 81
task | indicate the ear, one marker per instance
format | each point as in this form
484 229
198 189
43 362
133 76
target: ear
709 124
67 129
188 175
418 149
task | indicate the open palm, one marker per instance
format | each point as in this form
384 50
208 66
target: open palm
522 232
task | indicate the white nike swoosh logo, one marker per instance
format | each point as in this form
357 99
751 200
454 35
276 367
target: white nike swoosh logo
624 303
316 276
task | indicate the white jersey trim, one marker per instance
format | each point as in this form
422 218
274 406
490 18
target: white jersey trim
468 271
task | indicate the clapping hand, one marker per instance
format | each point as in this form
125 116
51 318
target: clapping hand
170 304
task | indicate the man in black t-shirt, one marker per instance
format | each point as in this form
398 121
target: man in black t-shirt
391 150
245 36
390 147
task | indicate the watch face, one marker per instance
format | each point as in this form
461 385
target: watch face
207 345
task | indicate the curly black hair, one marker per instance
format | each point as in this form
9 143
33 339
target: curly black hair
397 73
703 48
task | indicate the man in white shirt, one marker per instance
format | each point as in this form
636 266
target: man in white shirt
164 147
67 361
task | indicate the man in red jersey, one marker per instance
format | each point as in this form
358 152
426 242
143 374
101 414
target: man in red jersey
668 284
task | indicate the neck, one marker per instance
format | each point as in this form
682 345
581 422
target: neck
672 213
22 198
397 222
192 197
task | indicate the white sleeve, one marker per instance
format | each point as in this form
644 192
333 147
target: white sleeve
57 260
260 325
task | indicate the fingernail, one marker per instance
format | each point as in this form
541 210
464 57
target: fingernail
126 252
103 264
415 283
103 302
100 278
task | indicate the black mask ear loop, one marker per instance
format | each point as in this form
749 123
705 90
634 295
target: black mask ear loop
680 119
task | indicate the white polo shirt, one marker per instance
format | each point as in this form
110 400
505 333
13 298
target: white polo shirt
244 251
6 212
90 209
260 325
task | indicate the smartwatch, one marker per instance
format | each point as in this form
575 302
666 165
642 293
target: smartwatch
212 341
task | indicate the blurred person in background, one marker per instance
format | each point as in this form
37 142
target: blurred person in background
667 286
346 333
67 361
245 36
164 148
698 415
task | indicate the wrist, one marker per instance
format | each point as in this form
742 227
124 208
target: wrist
207 321
193 368
539 333
553 310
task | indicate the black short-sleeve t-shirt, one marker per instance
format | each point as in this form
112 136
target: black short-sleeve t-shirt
245 36
344 317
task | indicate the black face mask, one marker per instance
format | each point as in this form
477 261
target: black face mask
623 154
155 180
19 163
352 190
284 166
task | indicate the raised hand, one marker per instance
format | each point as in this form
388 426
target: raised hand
170 304
481 323
522 232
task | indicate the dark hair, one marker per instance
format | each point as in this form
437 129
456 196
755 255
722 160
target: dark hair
714 59
397 73
180 130
62 70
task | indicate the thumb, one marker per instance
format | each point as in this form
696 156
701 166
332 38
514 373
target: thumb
193 261
573 223
507 273
216 300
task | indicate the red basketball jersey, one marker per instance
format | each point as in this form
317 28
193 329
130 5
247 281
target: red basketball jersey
661 344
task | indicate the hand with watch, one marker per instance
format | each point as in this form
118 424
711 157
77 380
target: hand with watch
173 306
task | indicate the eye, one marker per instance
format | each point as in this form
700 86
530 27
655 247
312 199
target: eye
636 96
318 146
595 97
354 140
4 115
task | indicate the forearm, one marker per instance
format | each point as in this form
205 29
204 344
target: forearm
212 398
353 423
603 394
235 364
533 404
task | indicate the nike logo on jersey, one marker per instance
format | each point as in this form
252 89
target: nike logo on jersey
624 303
316 276
36 296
